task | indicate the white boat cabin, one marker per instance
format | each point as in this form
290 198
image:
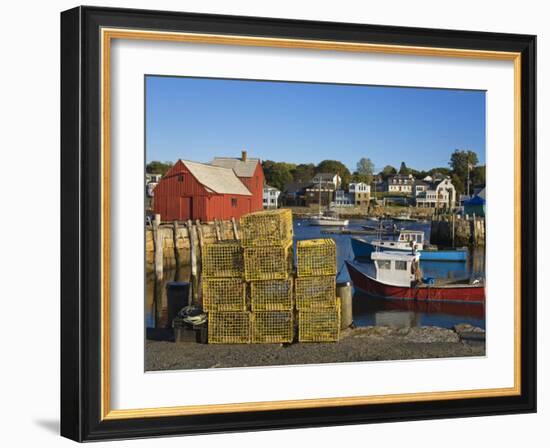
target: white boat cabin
396 268
414 236
407 241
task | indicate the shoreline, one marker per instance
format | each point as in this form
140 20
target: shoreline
356 345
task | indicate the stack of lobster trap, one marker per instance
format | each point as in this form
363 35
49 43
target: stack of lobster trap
250 286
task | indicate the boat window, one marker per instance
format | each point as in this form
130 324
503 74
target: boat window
400 265
384 264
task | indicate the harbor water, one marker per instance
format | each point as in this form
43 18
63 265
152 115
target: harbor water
369 311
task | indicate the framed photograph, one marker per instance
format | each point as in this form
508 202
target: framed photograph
277 224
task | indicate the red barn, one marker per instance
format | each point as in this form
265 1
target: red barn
191 190
250 172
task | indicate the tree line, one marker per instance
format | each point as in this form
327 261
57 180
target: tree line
463 164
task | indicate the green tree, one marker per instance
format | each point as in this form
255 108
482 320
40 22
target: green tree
477 176
461 161
439 172
156 167
404 170
365 168
303 172
458 183
278 174
336 167
388 171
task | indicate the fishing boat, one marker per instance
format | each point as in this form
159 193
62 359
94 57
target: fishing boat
408 240
398 276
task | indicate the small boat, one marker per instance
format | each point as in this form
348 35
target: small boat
323 220
408 241
405 217
398 276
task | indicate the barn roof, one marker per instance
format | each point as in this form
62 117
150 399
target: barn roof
218 179
242 168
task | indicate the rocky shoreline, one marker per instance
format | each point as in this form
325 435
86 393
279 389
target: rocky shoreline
355 345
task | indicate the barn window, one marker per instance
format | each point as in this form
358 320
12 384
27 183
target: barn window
233 202
180 177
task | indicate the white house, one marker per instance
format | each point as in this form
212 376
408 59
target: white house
324 178
360 193
401 183
342 199
439 194
271 197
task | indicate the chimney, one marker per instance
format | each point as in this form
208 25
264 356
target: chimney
243 156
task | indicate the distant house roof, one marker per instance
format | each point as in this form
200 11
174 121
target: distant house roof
421 182
242 168
268 187
325 176
217 179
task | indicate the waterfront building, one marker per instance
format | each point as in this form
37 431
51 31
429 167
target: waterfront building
192 190
249 170
327 178
440 193
360 193
401 183
271 197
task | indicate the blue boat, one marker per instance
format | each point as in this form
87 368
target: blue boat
408 241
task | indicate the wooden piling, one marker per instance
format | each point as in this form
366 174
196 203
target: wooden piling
157 238
235 231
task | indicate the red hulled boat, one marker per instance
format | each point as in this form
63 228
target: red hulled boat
397 277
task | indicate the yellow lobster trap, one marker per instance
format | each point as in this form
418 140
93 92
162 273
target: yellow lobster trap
267 228
272 327
315 292
223 294
223 259
316 257
231 327
319 324
271 295
268 262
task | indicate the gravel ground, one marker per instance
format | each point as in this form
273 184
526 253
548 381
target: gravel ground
360 344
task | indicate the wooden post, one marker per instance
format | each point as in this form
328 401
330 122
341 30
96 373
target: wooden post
176 254
235 231
193 256
157 238
200 234
453 231
218 236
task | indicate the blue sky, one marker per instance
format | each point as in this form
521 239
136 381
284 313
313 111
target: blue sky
197 119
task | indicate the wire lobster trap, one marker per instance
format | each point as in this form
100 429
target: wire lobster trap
272 327
271 295
267 228
223 294
231 327
316 257
315 292
222 259
319 324
268 262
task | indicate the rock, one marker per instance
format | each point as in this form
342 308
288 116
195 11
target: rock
431 334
